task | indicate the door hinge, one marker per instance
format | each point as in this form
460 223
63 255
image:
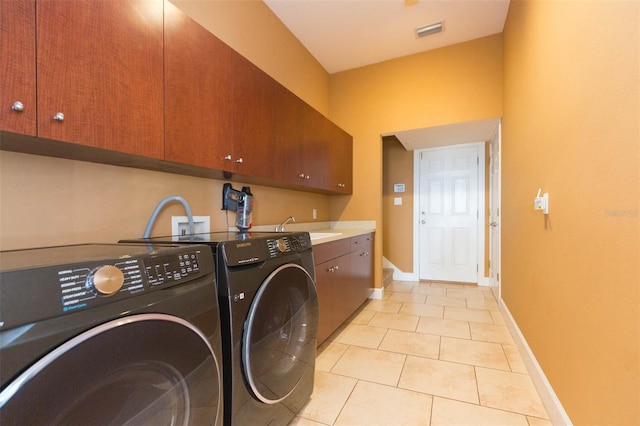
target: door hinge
477 268
498 277
478 161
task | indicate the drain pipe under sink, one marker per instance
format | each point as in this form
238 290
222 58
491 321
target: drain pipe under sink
161 204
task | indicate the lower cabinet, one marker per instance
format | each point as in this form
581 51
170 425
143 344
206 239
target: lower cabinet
344 278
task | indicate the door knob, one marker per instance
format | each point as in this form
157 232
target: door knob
494 224
423 221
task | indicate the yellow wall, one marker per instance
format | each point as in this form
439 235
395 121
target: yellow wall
570 126
450 85
48 201
397 167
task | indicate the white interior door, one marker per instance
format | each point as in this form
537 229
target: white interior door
449 213
494 212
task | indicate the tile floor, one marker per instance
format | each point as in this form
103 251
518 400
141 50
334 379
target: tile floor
427 354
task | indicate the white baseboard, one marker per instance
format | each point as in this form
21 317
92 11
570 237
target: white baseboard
378 293
557 414
398 275
484 281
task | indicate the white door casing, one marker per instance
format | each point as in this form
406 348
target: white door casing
450 195
494 212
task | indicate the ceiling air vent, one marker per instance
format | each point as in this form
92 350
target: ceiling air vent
429 29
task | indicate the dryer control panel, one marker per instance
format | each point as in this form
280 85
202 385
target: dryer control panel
58 281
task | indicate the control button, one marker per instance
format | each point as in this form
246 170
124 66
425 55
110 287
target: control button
106 280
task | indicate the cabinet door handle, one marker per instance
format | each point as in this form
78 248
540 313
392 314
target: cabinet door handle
17 106
227 157
239 160
59 116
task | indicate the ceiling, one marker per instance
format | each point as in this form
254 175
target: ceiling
450 134
346 34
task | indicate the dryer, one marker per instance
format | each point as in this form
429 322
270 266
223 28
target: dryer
110 334
269 307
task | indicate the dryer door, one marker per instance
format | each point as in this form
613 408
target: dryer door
279 343
141 369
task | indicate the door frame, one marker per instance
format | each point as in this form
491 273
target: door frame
480 278
495 189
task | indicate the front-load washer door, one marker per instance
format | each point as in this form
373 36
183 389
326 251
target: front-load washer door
147 369
279 342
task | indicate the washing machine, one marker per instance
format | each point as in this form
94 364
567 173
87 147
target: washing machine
269 307
110 334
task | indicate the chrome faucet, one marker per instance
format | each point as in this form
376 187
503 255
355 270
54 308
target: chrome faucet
280 228
161 204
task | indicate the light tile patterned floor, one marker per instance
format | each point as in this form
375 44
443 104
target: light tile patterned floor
427 354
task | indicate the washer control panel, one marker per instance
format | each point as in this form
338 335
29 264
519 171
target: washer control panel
261 248
288 244
30 294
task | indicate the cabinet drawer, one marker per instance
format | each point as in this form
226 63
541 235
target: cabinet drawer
330 250
361 242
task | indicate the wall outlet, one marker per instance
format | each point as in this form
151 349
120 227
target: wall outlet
180 225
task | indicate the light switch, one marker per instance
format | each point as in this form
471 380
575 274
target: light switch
397 201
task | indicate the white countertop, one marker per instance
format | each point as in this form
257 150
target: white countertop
334 230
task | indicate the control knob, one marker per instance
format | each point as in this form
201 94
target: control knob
106 280
282 245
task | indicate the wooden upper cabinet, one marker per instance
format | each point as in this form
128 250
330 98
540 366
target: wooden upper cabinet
316 163
18 66
99 73
288 115
341 154
198 120
327 154
254 128
141 77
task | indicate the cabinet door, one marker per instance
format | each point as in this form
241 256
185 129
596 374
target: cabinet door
315 159
341 160
18 66
344 303
253 119
288 112
99 63
324 288
361 270
197 94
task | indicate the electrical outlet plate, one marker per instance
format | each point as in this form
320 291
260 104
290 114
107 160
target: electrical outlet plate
180 225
